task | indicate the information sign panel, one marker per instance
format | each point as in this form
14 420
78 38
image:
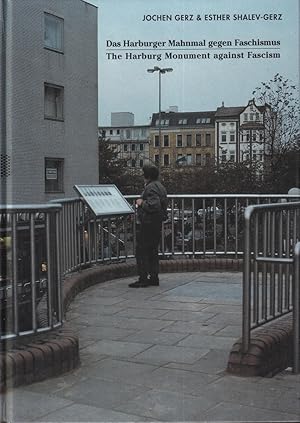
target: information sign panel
104 200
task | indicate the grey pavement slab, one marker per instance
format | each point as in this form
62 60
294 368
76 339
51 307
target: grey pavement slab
156 337
168 406
87 413
231 412
158 354
214 362
188 327
184 315
116 348
162 354
101 393
24 405
209 341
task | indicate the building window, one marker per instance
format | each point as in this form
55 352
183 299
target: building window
254 136
54 175
223 157
189 140
166 160
127 134
125 147
132 147
203 120
141 147
156 141
232 156
189 159
245 117
166 140
111 132
164 122
179 140
232 137
198 159
256 116
261 136
198 140
223 136
53 32
53 102
182 121
207 158
207 140
141 163
156 159
254 157
251 116
247 136
118 131
133 163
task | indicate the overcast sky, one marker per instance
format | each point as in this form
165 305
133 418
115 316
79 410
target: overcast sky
125 85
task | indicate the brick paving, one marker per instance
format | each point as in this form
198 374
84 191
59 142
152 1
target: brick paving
157 354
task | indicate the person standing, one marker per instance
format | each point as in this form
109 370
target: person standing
151 212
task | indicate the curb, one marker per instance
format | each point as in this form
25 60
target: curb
270 350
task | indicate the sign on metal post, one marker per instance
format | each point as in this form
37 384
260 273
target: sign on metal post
104 200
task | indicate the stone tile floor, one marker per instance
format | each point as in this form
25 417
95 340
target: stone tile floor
157 354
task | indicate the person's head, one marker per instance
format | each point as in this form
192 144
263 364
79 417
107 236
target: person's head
151 172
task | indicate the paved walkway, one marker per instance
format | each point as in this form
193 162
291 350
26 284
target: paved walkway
158 354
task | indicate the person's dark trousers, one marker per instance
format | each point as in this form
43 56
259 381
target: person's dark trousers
147 242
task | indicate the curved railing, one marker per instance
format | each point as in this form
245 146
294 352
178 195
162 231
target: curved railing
44 242
30 275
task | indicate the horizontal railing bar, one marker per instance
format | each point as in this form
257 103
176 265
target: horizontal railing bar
274 260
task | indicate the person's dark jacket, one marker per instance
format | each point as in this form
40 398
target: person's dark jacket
154 207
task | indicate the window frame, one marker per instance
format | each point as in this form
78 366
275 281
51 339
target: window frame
62 91
58 19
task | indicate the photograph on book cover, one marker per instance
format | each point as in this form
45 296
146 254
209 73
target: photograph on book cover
163 62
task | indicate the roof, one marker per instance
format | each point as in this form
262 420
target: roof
229 111
192 118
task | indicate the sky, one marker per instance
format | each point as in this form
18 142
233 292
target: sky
193 85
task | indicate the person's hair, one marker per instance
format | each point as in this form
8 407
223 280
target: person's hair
150 172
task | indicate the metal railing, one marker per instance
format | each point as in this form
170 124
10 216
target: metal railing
271 233
30 276
296 310
198 226
64 236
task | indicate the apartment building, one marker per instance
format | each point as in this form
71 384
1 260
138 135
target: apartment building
49 101
182 138
240 134
130 142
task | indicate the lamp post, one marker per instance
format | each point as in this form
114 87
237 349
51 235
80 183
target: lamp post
160 71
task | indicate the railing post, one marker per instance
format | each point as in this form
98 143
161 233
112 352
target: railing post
296 308
246 281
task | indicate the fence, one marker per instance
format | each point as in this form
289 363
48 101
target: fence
198 226
270 282
30 277
64 236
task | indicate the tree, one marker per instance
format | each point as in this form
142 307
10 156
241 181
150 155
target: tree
281 122
110 166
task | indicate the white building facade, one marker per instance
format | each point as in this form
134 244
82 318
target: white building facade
240 134
49 94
